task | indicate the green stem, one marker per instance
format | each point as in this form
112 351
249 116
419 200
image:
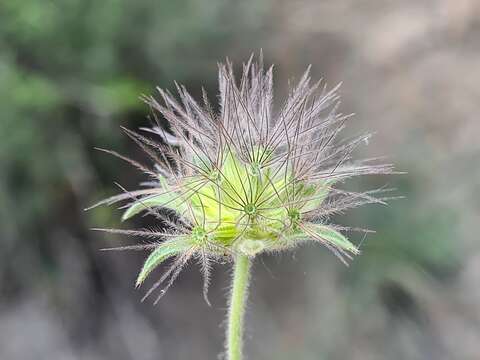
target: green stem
238 296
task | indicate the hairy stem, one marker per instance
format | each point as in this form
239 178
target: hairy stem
238 296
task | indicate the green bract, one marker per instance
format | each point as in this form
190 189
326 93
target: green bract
235 209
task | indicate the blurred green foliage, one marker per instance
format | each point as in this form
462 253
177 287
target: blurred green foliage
412 243
71 72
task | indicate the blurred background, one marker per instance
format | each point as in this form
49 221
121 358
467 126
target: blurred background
71 72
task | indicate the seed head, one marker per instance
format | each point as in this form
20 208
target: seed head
245 179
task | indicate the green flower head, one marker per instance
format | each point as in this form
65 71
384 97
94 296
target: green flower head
244 179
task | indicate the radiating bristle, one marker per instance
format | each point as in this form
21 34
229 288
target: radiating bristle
246 178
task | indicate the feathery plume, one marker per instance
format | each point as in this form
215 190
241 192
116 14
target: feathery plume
244 179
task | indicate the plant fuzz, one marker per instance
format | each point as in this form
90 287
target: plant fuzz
244 180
